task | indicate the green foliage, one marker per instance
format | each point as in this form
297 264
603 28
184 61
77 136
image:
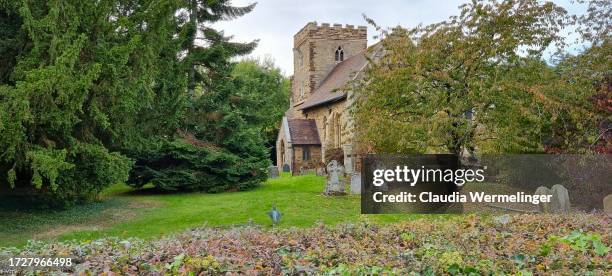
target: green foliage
591 67
206 65
73 87
71 177
220 151
262 96
95 168
48 164
188 165
475 81
176 264
12 40
84 80
217 149
582 242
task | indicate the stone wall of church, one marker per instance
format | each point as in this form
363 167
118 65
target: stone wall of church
284 150
313 162
331 124
314 57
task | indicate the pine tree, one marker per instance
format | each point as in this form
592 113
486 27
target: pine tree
208 50
215 149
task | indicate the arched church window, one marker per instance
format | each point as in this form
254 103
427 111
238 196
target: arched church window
339 54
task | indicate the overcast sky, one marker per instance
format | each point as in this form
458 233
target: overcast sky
274 22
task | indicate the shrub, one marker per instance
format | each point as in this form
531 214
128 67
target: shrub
95 169
64 177
191 165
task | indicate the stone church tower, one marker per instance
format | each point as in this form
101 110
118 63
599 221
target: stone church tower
317 50
316 127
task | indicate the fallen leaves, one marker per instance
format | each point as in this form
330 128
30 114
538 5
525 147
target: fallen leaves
543 244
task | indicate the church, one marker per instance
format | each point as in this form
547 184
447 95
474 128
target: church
317 127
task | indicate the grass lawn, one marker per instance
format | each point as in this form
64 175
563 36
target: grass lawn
124 212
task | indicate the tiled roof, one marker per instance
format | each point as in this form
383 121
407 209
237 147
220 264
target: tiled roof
336 79
303 132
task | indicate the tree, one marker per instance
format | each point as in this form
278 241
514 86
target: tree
261 97
83 83
78 74
216 148
193 17
13 39
220 151
195 63
474 81
592 68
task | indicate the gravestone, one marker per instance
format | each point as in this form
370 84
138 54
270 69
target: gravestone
560 201
286 168
334 186
348 158
543 207
356 183
607 204
320 171
273 171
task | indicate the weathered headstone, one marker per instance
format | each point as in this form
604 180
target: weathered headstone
320 171
273 171
543 207
356 183
607 204
348 158
560 201
334 186
286 168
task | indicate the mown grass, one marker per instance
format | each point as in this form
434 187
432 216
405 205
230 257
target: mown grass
124 212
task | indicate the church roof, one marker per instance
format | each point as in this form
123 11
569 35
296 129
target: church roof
329 90
303 132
